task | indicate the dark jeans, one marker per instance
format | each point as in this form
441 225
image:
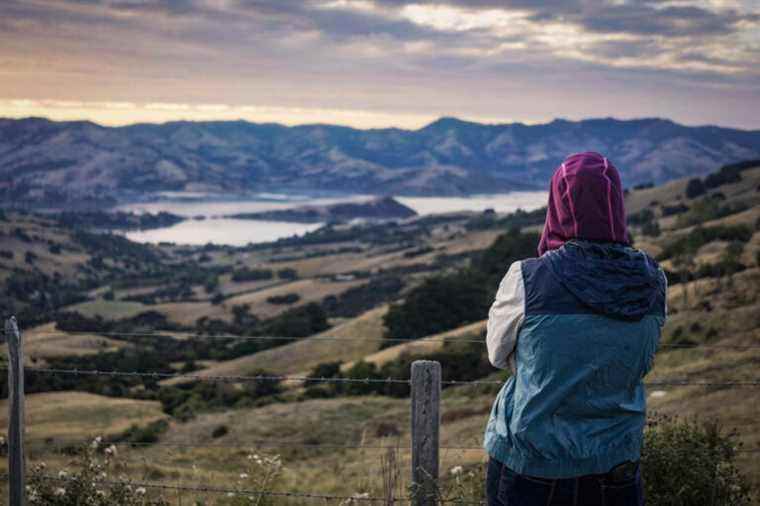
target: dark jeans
504 487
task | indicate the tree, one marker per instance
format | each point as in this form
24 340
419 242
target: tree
695 188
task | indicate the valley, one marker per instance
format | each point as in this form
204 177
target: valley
345 301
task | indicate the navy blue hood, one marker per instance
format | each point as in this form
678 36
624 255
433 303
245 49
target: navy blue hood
612 279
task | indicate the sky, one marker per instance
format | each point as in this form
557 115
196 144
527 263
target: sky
381 63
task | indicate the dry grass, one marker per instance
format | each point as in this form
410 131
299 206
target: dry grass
80 415
358 421
46 342
667 193
186 313
109 309
310 290
422 346
305 354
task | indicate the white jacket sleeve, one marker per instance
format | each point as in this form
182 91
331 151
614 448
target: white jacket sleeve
505 319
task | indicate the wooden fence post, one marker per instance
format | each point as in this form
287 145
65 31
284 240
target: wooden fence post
16 462
426 417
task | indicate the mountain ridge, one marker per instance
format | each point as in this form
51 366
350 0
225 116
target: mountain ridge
81 162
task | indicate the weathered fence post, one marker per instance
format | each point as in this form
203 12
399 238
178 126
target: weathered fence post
426 417
16 462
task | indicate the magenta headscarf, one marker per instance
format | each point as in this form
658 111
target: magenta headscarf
585 202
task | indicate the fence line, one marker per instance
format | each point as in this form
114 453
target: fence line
226 491
271 443
169 334
243 444
425 419
181 336
319 379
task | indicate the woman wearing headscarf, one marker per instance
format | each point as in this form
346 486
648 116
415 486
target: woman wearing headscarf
578 327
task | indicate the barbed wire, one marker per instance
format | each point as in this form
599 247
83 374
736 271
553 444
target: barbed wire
276 443
221 490
205 489
321 379
181 336
240 445
662 383
211 378
185 336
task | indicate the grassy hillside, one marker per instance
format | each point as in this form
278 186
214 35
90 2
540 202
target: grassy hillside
706 237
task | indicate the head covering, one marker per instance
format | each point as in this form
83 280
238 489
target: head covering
585 202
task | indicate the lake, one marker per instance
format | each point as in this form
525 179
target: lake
218 230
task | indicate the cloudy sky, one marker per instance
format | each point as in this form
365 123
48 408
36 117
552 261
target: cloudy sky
374 63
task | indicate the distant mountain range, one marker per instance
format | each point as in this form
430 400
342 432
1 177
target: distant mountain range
78 163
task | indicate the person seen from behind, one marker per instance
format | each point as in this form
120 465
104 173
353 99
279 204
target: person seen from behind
578 327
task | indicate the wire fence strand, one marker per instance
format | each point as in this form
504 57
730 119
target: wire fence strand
244 445
185 336
320 379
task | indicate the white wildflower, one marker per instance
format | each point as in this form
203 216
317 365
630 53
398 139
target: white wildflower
230 494
111 450
243 476
96 442
60 491
63 474
140 491
362 495
456 470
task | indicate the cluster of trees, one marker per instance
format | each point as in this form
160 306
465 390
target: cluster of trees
116 220
450 300
464 360
288 298
520 219
709 208
359 299
647 220
247 274
727 174
699 236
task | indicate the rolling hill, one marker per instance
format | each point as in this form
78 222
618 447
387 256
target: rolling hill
707 239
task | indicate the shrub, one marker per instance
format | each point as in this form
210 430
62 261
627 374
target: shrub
142 435
287 273
90 483
642 217
247 274
695 188
263 387
288 298
219 431
676 209
686 462
682 464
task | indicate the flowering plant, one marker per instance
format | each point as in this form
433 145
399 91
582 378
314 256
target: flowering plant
93 480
